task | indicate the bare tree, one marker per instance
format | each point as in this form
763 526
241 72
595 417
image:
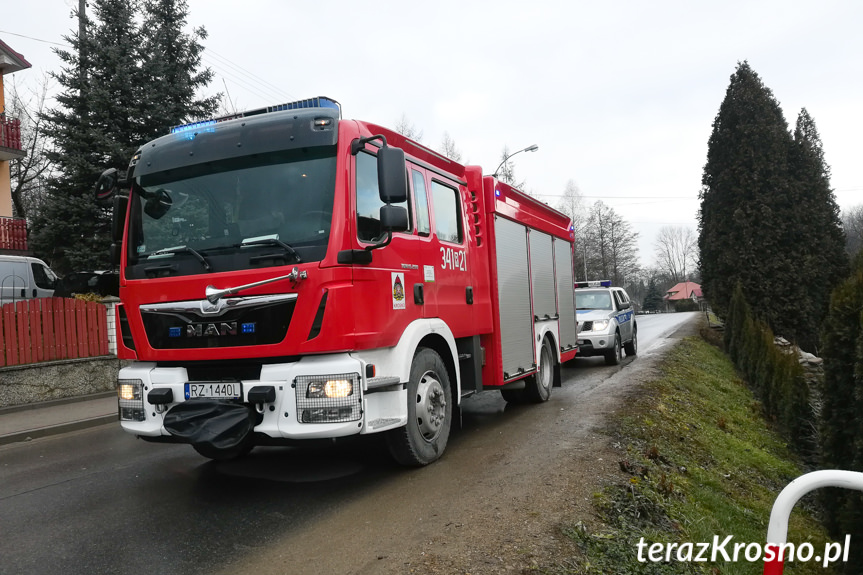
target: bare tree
506 171
28 173
676 250
612 245
572 204
448 148
852 222
407 129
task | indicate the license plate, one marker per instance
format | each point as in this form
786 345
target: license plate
214 390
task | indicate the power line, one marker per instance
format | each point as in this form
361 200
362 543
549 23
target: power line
35 39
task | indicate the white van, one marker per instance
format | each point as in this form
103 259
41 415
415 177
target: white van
23 277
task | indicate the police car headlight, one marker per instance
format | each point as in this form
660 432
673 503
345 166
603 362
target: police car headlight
600 325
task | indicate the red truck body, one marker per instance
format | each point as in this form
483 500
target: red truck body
481 277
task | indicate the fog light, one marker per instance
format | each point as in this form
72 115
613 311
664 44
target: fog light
130 397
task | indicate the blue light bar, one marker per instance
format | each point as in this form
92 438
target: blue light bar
192 126
593 284
319 102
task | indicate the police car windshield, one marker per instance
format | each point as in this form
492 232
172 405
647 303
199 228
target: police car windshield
585 299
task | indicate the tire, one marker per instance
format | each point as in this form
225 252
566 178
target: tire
631 347
424 438
614 356
216 454
538 386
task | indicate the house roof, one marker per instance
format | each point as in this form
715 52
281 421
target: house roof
683 290
10 60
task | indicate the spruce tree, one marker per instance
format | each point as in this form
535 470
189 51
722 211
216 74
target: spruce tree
174 77
112 101
653 299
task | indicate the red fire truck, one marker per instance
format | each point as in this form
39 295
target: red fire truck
287 274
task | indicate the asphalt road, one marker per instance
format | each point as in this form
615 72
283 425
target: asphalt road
100 501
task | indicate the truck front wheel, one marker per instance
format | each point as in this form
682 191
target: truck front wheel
424 438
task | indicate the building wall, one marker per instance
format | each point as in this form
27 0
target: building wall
5 180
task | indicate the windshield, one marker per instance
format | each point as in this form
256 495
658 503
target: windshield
592 299
226 214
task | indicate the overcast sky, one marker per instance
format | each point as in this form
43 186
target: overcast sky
619 96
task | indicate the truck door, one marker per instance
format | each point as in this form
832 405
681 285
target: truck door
427 243
450 256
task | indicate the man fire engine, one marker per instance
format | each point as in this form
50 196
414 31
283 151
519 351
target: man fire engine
287 275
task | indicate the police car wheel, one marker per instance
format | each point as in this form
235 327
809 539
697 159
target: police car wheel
614 356
631 347
538 386
425 436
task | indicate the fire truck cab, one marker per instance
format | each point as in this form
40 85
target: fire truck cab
287 274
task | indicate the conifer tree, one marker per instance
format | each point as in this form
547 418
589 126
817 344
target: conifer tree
768 218
744 184
822 262
106 109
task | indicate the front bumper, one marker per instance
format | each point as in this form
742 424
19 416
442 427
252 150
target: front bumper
284 412
591 343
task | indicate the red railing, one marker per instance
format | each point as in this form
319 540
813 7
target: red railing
13 234
46 329
10 133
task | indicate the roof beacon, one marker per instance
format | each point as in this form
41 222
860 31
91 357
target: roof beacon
593 284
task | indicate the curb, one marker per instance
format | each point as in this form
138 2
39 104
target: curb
27 435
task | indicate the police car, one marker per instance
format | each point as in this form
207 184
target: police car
606 321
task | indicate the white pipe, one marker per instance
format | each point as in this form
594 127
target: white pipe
777 530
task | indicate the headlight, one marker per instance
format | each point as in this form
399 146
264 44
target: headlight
600 325
332 388
334 398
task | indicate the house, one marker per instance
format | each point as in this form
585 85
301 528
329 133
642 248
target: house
683 291
13 231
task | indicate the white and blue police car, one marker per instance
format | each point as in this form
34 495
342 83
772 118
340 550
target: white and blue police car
606 321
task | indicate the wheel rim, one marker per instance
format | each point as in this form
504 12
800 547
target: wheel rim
431 406
619 346
545 374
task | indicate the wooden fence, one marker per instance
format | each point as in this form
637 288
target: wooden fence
47 329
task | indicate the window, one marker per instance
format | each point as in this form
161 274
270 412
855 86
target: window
368 199
422 203
446 212
44 278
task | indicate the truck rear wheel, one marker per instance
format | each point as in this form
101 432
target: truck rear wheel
424 438
538 386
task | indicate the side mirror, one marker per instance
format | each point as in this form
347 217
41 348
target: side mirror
393 218
392 179
106 185
158 204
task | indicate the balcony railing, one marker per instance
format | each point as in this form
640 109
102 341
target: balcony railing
10 133
13 234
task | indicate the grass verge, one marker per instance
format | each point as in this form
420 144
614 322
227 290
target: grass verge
697 461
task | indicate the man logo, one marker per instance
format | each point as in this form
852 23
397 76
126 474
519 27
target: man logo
211 329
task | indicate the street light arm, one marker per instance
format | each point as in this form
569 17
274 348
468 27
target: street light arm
532 148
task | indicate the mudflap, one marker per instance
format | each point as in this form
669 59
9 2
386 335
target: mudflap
211 422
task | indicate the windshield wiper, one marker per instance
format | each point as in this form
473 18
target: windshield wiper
271 242
182 250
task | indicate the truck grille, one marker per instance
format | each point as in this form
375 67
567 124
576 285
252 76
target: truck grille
242 321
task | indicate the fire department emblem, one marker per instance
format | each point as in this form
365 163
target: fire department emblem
398 281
